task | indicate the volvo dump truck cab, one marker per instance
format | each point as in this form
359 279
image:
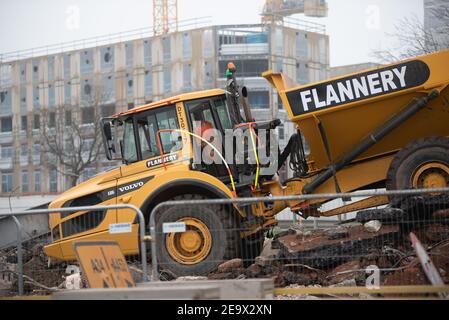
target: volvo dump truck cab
384 127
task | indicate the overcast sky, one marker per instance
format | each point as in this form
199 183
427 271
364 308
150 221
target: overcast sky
355 27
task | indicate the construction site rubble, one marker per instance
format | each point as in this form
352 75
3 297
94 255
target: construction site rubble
341 255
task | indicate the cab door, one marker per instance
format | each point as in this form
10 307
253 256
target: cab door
205 114
144 156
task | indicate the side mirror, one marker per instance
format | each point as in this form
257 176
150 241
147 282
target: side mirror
107 130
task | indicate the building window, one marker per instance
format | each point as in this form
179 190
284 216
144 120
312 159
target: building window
24 123
259 99
281 132
323 51
23 73
302 47
280 103
166 48
36 101
6 124
51 68
35 71
53 181
67 66
208 74
148 83
37 122
52 120
147 54
51 96
25 187
279 42
87 62
302 73
129 52
108 88
6 152
187 76
187 46
68 93
36 153
86 92
208 44
6 182
245 68
37 181
68 117
108 110
5 75
167 79
5 102
88 173
24 150
129 86
87 115
23 97
107 59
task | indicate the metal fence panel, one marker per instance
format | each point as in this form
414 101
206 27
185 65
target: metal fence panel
371 247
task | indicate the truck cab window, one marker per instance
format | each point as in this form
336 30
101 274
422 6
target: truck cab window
223 113
129 143
150 124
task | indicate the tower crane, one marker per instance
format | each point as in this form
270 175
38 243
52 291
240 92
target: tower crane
165 16
274 11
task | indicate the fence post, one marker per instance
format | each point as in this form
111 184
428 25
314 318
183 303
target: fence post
155 274
143 247
19 254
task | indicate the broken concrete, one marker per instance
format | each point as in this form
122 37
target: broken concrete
373 226
230 265
317 251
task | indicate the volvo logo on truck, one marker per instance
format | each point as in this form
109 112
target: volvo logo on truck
358 87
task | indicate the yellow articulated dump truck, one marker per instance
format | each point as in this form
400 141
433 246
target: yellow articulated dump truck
384 127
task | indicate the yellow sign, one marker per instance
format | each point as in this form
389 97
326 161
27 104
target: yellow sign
103 264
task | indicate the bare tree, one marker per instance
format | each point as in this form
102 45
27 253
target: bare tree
414 38
73 142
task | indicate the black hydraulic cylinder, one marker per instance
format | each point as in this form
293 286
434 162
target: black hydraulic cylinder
371 140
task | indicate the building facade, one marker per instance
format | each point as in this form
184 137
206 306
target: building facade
36 92
436 22
351 68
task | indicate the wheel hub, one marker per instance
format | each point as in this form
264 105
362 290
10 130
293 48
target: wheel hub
431 175
192 246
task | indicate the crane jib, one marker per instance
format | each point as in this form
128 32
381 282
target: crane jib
358 87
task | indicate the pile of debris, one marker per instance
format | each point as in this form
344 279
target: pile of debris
40 276
343 254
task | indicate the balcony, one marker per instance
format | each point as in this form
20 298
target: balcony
6 137
6 164
244 49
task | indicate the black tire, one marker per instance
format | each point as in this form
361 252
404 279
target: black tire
414 155
223 225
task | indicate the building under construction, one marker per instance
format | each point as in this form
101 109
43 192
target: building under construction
55 84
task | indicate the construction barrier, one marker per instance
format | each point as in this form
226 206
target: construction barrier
396 245
396 250
38 268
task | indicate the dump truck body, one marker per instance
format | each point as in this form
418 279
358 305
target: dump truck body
351 108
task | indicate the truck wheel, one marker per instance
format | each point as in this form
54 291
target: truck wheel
211 237
421 164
